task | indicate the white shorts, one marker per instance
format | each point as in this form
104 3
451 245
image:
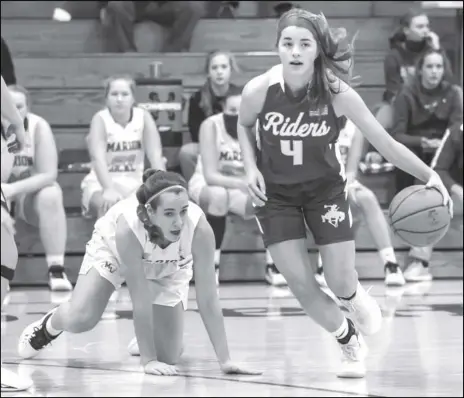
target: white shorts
237 199
167 291
125 185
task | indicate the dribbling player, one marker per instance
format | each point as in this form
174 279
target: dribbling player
151 240
296 174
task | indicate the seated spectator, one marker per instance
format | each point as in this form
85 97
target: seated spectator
32 187
423 110
7 66
120 17
218 185
407 44
120 136
206 102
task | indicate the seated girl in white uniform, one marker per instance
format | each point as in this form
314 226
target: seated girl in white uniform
120 136
151 240
218 184
33 187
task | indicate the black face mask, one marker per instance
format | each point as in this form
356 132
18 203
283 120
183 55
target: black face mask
415 46
230 122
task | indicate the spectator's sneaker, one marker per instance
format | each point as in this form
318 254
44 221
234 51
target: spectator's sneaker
416 272
273 276
57 279
366 311
61 15
354 353
35 337
133 348
11 382
393 275
320 278
216 271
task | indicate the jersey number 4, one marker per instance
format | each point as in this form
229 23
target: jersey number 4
293 149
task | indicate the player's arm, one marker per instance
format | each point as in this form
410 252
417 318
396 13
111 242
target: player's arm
45 164
349 103
131 253
203 247
10 113
209 158
96 145
355 153
253 96
152 142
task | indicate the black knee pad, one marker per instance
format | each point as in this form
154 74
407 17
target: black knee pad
7 273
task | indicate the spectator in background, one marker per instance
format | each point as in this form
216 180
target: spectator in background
424 110
120 17
206 102
219 185
120 136
7 71
33 188
407 44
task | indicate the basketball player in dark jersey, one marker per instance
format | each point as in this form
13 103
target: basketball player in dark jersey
12 140
296 173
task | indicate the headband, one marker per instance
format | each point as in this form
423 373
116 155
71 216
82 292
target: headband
162 191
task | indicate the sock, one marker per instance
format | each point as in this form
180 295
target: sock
217 256
218 224
269 260
344 333
55 260
388 255
319 261
50 329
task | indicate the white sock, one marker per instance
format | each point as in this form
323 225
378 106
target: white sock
388 255
55 260
217 256
342 331
50 329
269 259
319 261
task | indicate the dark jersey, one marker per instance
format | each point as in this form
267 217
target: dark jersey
296 143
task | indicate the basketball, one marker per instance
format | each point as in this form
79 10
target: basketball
417 215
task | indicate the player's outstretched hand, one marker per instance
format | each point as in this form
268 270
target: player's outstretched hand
160 369
256 187
436 182
232 368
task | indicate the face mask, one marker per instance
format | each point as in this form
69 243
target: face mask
230 122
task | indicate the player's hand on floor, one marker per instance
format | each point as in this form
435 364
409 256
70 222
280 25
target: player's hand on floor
232 368
160 369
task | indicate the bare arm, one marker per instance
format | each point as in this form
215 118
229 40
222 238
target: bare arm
349 103
10 113
152 142
355 152
209 158
203 247
45 163
131 253
96 145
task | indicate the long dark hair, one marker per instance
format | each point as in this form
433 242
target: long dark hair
398 35
154 181
447 75
333 62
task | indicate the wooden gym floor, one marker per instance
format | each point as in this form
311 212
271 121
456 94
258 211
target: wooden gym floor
419 351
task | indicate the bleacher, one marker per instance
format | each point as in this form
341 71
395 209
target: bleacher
62 65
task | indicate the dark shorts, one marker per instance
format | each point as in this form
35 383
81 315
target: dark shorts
323 204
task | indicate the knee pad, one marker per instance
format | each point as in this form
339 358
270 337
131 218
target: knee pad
7 273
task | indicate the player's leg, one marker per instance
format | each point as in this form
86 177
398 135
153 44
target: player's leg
44 209
282 223
329 217
365 200
214 201
99 276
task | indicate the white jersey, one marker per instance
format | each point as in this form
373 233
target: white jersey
158 263
25 159
230 160
124 148
345 139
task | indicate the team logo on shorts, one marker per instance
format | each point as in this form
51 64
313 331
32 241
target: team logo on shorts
333 215
110 267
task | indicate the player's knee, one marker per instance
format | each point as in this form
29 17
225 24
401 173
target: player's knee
49 199
215 201
365 198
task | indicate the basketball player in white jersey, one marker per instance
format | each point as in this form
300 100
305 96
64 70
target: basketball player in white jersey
120 136
218 184
33 188
364 204
11 120
151 239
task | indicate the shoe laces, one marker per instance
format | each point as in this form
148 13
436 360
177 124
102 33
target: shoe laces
392 268
56 271
39 338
